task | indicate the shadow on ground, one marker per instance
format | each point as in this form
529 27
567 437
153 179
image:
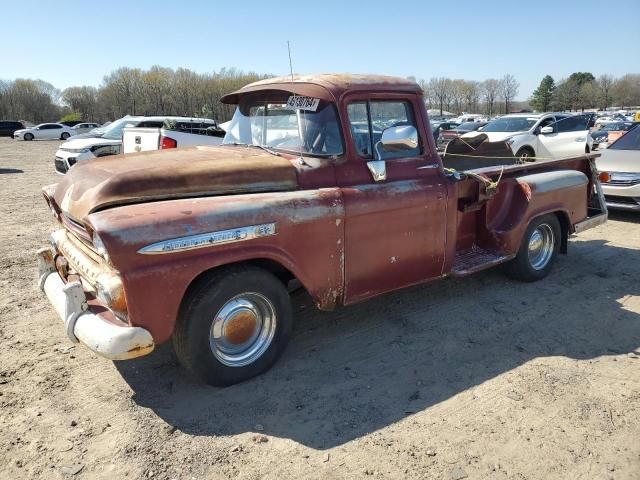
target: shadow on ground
624 216
10 170
364 367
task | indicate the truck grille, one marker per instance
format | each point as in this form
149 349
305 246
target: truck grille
622 200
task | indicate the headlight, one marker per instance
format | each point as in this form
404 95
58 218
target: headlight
110 291
98 244
509 140
104 150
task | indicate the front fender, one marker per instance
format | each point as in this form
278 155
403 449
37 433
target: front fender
308 240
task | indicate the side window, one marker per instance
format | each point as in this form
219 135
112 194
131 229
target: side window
53 127
573 123
549 122
151 124
359 123
368 120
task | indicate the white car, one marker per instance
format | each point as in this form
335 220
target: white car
621 163
81 128
44 131
108 141
540 136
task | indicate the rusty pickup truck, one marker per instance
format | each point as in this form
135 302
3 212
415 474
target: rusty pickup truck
330 183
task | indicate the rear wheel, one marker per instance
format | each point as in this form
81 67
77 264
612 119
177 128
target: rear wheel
525 154
28 136
64 136
538 250
233 325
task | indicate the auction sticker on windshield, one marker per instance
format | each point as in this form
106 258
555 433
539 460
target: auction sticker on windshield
303 103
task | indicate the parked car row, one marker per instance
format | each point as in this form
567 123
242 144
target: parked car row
540 136
44 131
141 132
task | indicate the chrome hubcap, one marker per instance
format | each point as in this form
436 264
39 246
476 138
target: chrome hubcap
541 245
243 329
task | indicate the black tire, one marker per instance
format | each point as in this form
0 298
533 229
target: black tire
28 136
525 154
64 136
524 266
206 300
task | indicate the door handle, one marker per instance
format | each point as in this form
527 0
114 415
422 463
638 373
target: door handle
424 167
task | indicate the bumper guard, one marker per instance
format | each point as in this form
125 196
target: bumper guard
107 339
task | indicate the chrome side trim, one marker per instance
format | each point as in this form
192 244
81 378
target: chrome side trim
208 239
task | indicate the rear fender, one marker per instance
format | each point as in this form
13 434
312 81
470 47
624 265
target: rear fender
521 199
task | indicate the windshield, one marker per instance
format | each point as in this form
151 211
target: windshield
628 141
613 127
269 121
469 126
510 124
113 131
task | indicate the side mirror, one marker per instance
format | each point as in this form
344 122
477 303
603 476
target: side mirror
546 130
394 139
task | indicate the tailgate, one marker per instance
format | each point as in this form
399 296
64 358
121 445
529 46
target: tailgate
136 139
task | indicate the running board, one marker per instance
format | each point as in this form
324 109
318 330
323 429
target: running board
476 259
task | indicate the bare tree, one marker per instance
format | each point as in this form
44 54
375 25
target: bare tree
441 88
508 90
490 89
604 83
471 94
457 88
82 100
626 90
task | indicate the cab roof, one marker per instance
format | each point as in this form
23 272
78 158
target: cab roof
327 86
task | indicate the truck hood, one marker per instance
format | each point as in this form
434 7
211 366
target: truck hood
162 174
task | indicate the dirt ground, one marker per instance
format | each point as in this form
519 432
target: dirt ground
465 378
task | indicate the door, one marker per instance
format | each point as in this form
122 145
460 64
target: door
47 131
569 137
394 229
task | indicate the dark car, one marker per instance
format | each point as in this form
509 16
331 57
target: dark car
7 127
610 132
437 127
71 123
447 135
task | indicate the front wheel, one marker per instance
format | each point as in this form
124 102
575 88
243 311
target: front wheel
28 136
538 250
525 154
233 325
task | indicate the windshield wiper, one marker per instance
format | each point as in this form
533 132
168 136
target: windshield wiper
266 149
255 145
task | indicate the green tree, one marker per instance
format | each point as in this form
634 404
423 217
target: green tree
541 98
71 117
582 77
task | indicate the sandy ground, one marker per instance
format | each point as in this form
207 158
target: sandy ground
471 378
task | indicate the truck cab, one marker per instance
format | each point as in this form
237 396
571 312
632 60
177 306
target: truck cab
331 182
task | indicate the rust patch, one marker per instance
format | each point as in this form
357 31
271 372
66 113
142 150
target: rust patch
170 174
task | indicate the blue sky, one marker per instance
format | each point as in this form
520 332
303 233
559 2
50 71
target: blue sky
78 42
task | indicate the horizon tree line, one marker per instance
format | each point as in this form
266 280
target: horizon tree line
183 92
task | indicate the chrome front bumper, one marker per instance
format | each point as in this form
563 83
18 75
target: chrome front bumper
112 341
